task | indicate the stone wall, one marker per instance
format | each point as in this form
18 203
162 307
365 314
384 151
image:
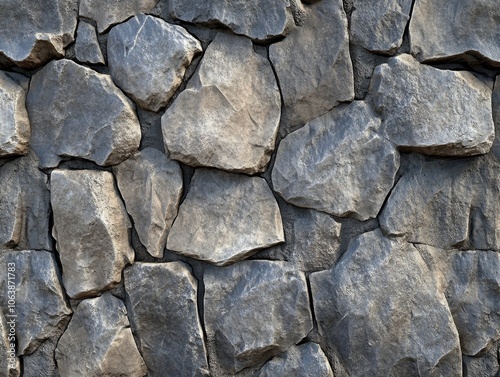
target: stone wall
251 188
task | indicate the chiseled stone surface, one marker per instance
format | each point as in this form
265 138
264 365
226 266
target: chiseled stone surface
87 48
228 115
254 310
9 363
225 218
92 230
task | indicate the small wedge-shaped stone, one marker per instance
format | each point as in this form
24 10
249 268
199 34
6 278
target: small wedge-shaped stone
40 309
151 186
14 123
148 57
228 115
164 314
33 32
92 230
42 362
337 163
9 362
381 312
253 311
93 120
87 48
313 64
225 218
433 111
99 342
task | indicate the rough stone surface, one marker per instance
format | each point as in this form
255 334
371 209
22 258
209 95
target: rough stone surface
313 64
487 365
41 363
228 115
381 312
253 311
433 111
225 218
92 230
87 48
159 182
93 120
164 314
9 363
32 33
99 342
309 173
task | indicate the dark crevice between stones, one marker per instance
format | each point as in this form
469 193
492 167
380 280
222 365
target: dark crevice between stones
406 43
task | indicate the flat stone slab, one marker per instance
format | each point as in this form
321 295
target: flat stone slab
87 48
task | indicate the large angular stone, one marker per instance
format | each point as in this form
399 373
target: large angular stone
380 311
228 115
33 32
151 186
148 57
164 314
451 29
92 230
254 310
225 218
433 111
93 120
87 48
40 309
14 123
99 342
309 171
313 64
9 363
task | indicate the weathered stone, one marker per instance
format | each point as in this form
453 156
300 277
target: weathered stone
92 120
32 33
305 360
110 12
253 311
151 186
433 111
14 123
41 363
442 30
40 308
228 115
313 64
484 365
382 312
148 57
9 363
260 20
99 342
92 230
87 48
164 314
308 171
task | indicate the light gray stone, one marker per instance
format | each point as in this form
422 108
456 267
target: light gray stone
41 363
164 314
228 115
151 186
381 310
32 33
92 230
77 112
148 57
308 171
99 342
9 363
14 123
87 48
254 310
225 218
313 64
433 111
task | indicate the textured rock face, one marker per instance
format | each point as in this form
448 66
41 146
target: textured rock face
225 218
42 362
228 115
98 341
159 182
9 363
87 48
375 309
40 32
313 64
91 228
164 314
308 172
93 120
451 29
254 310
484 366
148 58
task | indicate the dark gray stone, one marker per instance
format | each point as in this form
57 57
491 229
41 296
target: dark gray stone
87 48
42 363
